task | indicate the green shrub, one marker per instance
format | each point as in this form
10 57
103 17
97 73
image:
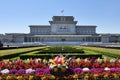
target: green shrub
48 56
59 49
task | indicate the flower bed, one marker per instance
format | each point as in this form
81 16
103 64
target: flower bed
60 68
76 73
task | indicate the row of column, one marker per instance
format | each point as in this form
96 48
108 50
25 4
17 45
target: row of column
52 39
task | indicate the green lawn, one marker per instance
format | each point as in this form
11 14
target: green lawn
18 50
35 51
115 51
69 51
106 52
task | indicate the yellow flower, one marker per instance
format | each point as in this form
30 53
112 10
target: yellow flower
86 77
106 76
116 76
52 77
44 61
65 77
43 78
63 61
64 64
31 78
95 75
8 77
52 61
0 78
19 77
75 76
6 61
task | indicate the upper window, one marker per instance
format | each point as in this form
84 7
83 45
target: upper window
62 18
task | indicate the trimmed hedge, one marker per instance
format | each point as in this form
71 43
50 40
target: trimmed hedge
48 56
58 49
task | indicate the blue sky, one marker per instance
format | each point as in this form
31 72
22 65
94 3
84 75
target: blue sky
17 15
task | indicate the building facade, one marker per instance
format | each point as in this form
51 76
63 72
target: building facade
61 29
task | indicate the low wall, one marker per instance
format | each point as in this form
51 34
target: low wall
61 43
23 44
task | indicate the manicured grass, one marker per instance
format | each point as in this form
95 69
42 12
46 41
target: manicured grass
15 53
55 50
110 53
70 51
18 50
115 51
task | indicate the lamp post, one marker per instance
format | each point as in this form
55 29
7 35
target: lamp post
62 44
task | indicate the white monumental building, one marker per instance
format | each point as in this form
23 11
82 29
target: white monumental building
62 29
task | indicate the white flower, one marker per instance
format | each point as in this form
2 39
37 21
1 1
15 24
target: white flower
51 66
78 59
86 60
118 60
29 70
69 59
27 61
66 67
59 65
112 60
86 69
37 60
106 69
99 60
5 71
66 63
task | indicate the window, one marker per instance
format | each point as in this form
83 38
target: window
62 19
